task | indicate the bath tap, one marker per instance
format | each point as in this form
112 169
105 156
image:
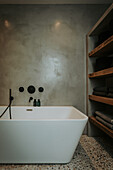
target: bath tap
31 98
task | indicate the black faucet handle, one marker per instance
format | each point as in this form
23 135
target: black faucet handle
40 89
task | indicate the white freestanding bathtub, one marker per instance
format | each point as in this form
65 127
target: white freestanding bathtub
40 134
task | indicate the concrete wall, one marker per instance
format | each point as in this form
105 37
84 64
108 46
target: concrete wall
44 45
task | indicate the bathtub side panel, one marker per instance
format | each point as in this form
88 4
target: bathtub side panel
39 141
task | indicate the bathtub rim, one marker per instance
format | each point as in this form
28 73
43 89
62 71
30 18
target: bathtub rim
85 118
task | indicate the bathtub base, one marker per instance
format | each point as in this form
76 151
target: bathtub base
42 142
40 135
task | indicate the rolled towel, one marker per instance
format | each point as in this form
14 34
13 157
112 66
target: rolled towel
100 89
110 95
100 93
106 116
104 122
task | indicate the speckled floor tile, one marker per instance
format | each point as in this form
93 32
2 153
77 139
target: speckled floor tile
91 154
97 150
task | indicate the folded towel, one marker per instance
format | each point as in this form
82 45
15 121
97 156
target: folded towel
110 95
101 89
104 122
106 116
110 89
100 93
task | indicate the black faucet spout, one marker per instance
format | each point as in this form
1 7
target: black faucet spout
31 98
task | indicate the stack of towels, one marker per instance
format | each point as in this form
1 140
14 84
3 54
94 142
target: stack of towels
103 91
105 118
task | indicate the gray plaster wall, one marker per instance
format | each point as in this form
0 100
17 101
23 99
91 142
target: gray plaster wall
44 45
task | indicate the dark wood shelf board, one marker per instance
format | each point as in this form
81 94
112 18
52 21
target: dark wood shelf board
103 49
105 129
101 99
106 72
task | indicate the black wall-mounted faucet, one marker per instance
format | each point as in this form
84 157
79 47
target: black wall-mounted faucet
31 98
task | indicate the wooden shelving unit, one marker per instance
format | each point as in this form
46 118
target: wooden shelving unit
101 126
103 50
102 73
101 99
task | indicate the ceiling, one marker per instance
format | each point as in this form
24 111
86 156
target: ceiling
56 1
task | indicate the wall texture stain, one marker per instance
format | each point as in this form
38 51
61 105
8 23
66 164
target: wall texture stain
44 45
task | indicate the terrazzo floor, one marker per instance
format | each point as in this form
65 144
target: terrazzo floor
91 154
